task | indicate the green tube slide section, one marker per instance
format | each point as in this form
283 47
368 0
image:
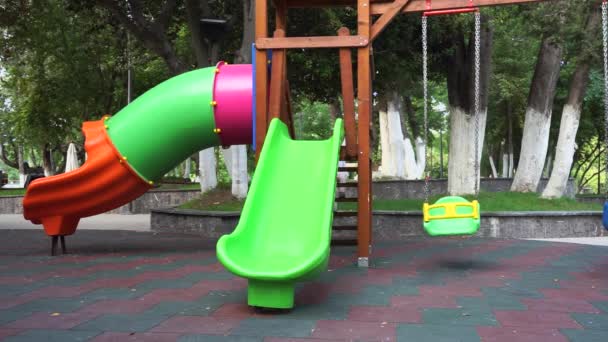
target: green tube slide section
284 233
168 123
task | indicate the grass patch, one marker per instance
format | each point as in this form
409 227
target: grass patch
12 192
169 186
222 200
215 200
490 201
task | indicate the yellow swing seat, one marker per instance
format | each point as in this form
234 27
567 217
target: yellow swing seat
452 215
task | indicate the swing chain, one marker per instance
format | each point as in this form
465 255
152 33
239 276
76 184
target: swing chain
425 86
477 95
605 41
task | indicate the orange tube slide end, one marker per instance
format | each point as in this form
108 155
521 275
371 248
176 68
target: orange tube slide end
104 182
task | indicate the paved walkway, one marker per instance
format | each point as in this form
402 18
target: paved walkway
140 286
138 223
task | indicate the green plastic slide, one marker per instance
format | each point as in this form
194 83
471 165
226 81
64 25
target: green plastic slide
284 232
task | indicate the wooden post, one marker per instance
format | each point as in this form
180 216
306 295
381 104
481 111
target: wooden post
364 95
261 81
281 15
288 111
348 98
277 81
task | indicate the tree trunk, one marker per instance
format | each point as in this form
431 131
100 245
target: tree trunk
505 165
243 55
538 118
411 118
461 95
240 178
47 161
21 161
187 168
208 176
493 167
571 114
391 141
548 166
510 152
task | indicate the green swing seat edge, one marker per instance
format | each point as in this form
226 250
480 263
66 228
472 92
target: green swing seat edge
455 226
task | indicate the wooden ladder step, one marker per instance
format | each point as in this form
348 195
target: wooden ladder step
347 185
345 227
348 168
345 214
347 199
344 242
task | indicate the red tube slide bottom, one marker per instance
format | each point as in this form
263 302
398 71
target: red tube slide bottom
103 183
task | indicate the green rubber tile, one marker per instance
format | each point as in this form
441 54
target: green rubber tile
470 316
53 305
603 306
577 335
364 297
178 283
422 278
274 327
9 315
498 300
122 322
198 276
325 311
215 338
170 266
181 308
436 333
519 289
19 289
592 321
109 294
204 306
48 335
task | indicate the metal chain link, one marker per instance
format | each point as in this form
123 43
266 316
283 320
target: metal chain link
477 95
425 86
605 36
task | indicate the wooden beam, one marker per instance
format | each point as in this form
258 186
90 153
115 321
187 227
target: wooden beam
277 81
261 77
364 96
348 97
311 42
420 5
381 6
387 17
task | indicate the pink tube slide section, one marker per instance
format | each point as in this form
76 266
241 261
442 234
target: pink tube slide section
232 98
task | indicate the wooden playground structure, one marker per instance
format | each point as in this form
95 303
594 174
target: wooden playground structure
272 89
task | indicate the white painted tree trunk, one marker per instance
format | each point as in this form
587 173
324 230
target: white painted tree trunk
505 165
240 178
494 173
235 159
548 166
534 145
227 153
415 161
187 168
391 140
208 176
564 152
399 159
461 164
